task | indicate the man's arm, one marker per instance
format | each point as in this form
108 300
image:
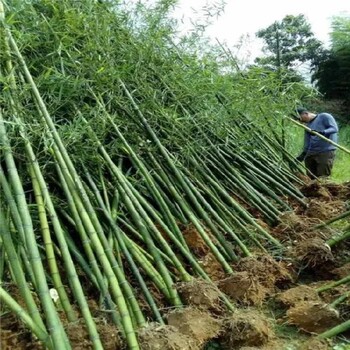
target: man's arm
330 124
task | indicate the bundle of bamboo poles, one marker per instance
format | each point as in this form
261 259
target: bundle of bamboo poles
108 190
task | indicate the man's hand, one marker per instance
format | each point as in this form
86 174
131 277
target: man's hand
319 132
301 157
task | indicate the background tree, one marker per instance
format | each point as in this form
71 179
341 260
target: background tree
332 69
288 43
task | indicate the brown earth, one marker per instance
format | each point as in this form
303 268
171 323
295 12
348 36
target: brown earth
245 328
156 337
313 317
198 325
282 287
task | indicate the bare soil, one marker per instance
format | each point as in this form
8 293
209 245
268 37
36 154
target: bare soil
313 317
277 303
245 328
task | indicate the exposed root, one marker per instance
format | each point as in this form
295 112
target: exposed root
245 328
196 324
268 271
244 288
342 271
313 252
341 191
316 189
313 317
156 337
79 337
201 294
324 210
293 296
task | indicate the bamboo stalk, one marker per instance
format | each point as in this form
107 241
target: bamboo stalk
121 243
319 135
335 330
63 297
12 304
54 324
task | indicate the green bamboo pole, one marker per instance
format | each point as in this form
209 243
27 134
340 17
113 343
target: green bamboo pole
241 186
50 254
115 282
128 328
139 222
17 223
86 243
130 229
122 245
242 212
80 259
2 260
189 213
53 322
319 135
226 212
55 327
12 304
149 181
333 284
334 219
339 238
340 299
17 271
130 202
263 172
343 327
159 237
249 189
221 222
179 178
91 220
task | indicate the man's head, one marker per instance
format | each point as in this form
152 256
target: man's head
304 115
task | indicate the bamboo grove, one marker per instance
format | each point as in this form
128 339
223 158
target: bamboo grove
110 147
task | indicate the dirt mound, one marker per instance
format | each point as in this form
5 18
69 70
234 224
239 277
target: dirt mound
316 189
198 247
328 296
293 226
194 240
196 324
212 267
14 335
163 337
340 191
313 252
324 210
245 328
244 288
313 317
201 294
255 279
268 271
79 337
295 295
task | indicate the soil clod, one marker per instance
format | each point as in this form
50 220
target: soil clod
313 317
164 337
293 296
198 325
245 328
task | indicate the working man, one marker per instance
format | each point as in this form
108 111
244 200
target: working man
317 153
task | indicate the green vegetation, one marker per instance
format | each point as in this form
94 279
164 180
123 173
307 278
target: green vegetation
115 142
